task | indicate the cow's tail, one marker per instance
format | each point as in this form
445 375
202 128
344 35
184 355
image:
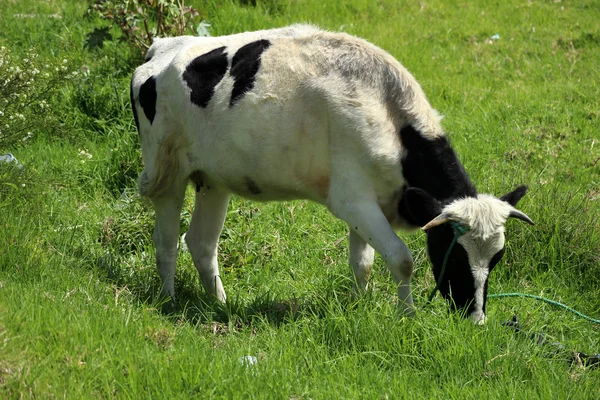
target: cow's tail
165 170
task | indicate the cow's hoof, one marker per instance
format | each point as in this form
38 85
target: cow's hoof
168 306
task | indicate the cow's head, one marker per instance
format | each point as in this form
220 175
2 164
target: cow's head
476 252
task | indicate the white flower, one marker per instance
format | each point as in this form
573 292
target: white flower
83 153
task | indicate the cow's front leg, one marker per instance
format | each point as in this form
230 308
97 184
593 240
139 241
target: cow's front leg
361 261
366 219
202 237
166 235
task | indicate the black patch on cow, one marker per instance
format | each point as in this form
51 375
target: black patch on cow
252 186
485 292
197 177
496 258
204 73
493 262
244 66
132 99
432 165
148 98
458 284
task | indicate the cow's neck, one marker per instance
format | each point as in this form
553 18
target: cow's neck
432 165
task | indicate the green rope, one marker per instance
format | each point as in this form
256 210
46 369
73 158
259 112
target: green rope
459 230
553 302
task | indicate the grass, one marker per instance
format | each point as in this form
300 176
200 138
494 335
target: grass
79 311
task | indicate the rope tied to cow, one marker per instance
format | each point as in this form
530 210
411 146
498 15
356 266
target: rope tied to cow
549 301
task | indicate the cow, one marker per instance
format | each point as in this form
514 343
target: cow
302 113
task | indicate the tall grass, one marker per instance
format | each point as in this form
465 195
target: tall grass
79 311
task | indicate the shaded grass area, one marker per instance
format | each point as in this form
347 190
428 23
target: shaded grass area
79 311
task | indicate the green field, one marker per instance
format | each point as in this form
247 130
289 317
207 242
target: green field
80 315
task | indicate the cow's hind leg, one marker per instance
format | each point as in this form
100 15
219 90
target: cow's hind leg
203 236
361 261
167 207
365 218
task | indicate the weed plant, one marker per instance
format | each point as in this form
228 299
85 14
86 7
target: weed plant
27 86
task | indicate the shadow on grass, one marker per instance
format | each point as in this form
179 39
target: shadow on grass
195 307
239 314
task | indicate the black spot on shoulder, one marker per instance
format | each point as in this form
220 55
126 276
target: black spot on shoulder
204 73
244 66
132 99
252 186
432 165
148 98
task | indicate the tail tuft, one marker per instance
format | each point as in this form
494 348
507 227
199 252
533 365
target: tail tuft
166 169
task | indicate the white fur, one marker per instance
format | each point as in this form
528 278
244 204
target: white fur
484 214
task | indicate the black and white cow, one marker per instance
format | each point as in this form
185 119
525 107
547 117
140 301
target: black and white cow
300 113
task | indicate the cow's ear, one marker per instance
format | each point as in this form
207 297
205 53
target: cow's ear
418 207
513 197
